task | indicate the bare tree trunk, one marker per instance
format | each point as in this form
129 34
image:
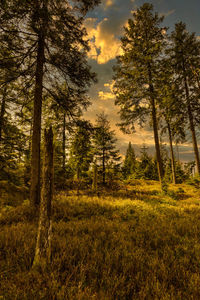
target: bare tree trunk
29 143
157 145
78 180
194 139
36 137
64 140
172 154
177 152
43 244
2 112
94 182
104 168
155 127
191 122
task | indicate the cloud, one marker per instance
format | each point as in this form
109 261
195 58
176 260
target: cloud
168 13
104 44
108 3
110 85
106 95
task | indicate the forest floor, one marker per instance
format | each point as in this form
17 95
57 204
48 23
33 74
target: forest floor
135 243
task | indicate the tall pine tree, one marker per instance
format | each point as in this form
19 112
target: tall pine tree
171 113
137 72
185 57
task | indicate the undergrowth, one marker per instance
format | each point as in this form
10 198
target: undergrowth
141 244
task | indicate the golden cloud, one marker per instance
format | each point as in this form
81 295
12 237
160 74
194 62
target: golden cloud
109 3
110 85
103 43
106 95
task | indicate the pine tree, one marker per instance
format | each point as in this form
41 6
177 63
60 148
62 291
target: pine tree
185 56
146 168
137 72
129 161
104 145
48 48
81 148
171 113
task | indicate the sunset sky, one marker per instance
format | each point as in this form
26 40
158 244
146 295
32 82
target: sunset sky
105 26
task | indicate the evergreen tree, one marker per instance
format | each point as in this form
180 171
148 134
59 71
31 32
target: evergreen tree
137 72
185 57
147 166
129 162
81 148
104 145
171 113
48 47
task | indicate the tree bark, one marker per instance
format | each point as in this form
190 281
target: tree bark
36 137
94 182
155 127
172 154
156 139
64 141
103 168
191 122
194 140
2 112
78 180
43 244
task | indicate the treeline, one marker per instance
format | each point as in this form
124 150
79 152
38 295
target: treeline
144 166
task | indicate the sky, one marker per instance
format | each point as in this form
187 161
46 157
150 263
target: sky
105 25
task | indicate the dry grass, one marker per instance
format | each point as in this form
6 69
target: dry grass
132 244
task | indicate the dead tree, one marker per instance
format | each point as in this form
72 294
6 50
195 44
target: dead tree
43 244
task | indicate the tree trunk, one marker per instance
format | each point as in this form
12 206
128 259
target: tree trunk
156 139
36 137
43 244
194 140
155 127
78 180
29 143
191 122
2 112
172 154
104 168
177 152
94 182
64 141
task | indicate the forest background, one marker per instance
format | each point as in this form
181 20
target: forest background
105 206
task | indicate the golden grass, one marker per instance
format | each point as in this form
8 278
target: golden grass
136 243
